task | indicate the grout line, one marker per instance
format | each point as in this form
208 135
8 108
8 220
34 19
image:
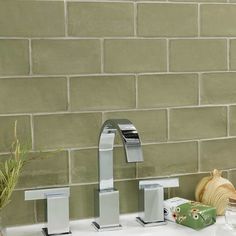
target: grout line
199 19
66 18
152 1
168 124
228 121
32 131
199 88
119 37
198 156
118 110
136 91
112 74
189 140
228 54
30 58
69 167
135 19
68 94
168 55
102 55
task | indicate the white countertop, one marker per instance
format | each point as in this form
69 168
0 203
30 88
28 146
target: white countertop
130 227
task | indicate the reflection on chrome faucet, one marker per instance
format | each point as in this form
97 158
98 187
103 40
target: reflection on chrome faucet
107 198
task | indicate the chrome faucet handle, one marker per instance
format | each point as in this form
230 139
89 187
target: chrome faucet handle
151 200
57 209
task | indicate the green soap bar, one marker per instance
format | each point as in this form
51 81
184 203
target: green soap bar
195 215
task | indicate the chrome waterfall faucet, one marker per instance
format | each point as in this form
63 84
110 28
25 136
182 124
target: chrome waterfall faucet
107 198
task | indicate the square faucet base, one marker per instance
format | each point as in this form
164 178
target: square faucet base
45 233
150 224
108 228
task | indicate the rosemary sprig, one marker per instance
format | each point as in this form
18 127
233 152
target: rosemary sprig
10 170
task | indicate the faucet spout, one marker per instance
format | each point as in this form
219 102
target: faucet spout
131 143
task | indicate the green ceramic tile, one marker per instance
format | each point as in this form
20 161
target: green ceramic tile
151 125
198 55
33 95
84 164
32 18
67 130
82 201
232 54
218 88
217 154
100 19
163 19
218 20
167 159
14 57
19 211
128 191
66 56
45 169
102 92
187 186
7 131
135 55
195 123
167 90
232 120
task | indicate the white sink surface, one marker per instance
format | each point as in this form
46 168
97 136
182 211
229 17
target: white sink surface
130 227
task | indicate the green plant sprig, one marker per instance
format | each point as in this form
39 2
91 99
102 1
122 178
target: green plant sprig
10 170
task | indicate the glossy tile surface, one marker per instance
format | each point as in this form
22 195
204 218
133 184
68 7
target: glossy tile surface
163 19
166 159
14 57
194 123
33 95
167 90
68 130
100 19
134 55
218 154
198 55
116 92
218 88
32 18
66 56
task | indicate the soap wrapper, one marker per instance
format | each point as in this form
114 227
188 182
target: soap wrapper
189 213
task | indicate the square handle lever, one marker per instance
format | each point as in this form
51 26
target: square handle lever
57 209
151 199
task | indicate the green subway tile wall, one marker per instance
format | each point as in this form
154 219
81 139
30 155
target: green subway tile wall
67 66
